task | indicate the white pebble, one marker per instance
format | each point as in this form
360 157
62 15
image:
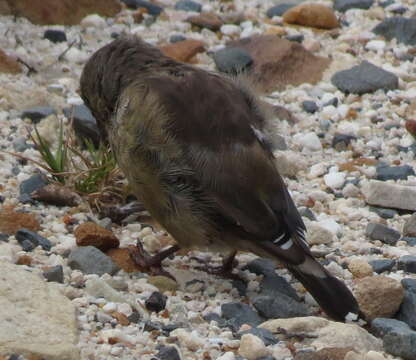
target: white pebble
252 347
230 29
376 45
75 55
334 180
309 141
191 340
93 20
110 307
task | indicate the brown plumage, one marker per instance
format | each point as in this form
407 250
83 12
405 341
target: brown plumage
192 146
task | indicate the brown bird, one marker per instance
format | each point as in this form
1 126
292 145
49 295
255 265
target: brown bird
192 145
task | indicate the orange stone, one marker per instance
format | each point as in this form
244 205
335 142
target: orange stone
314 15
11 221
121 257
210 21
184 50
8 65
121 318
91 234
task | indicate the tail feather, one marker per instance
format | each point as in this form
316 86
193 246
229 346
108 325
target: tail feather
330 293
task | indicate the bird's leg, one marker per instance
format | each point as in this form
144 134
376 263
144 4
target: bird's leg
225 270
151 264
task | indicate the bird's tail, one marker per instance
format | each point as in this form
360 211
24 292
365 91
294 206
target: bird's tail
330 293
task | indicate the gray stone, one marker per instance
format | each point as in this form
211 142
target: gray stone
383 233
340 142
265 335
237 314
409 228
364 78
4 237
261 266
409 284
344 5
232 60
407 311
91 260
21 145
36 319
188 5
385 172
168 353
35 182
310 106
279 306
398 338
36 239
55 36
274 285
156 302
84 123
152 9
407 263
37 113
176 38
384 213
54 274
390 195
398 27
382 265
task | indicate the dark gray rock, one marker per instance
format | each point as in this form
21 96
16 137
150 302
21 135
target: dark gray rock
385 172
275 285
84 123
151 8
398 338
407 263
383 233
383 212
176 38
215 317
364 78
36 239
37 113
27 245
238 314
340 142
411 241
398 27
54 274
188 5
409 284
134 317
4 237
55 36
386 3
296 38
279 306
307 212
333 102
26 187
382 265
261 266
90 260
264 334
279 10
156 302
232 60
241 286
309 106
168 353
407 311
344 5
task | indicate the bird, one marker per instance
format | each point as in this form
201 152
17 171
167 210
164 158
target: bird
194 147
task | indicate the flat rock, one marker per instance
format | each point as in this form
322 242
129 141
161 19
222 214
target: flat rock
385 172
37 113
11 221
90 260
344 5
55 36
43 325
8 65
379 296
390 195
232 60
91 234
376 231
151 8
28 186
188 5
279 62
313 15
381 265
279 306
407 263
407 311
398 27
184 50
65 12
328 333
122 258
210 21
238 314
364 78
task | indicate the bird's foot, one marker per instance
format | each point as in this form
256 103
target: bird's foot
225 270
151 264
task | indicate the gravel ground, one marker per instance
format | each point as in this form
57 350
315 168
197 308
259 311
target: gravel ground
348 157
